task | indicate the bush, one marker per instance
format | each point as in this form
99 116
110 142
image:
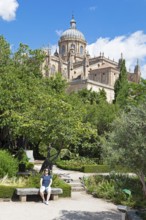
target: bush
95 169
113 187
65 154
8 164
7 191
33 181
57 182
29 166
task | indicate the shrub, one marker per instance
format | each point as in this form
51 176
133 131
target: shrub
65 154
89 183
8 164
105 189
113 187
57 182
95 169
29 166
33 181
7 191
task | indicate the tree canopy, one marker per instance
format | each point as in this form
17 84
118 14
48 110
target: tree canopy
121 86
126 144
36 111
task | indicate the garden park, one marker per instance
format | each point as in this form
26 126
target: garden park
85 132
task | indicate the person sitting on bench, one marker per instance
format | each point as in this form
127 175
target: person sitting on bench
45 186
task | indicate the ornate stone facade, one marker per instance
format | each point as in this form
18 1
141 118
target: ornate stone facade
80 70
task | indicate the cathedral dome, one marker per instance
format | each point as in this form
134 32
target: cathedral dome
72 32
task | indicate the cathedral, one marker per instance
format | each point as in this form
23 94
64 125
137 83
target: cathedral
79 69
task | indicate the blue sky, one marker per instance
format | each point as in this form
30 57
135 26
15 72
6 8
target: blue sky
109 26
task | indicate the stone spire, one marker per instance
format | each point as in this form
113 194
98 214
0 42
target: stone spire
137 67
137 72
120 61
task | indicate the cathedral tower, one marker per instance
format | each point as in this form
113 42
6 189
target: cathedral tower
72 39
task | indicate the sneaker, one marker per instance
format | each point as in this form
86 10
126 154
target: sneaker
47 203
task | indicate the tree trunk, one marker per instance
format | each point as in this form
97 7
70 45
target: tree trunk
141 177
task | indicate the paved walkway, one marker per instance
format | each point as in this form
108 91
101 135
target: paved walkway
80 206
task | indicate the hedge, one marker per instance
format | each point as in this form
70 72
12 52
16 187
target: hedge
7 191
94 168
69 167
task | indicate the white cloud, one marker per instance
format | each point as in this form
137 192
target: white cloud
92 8
8 9
54 48
132 46
59 32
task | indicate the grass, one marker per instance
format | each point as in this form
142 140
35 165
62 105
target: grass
14 181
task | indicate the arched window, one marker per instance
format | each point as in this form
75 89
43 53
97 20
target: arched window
81 50
63 50
73 46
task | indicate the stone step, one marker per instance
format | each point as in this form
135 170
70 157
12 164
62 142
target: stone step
77 188
76 184
76 180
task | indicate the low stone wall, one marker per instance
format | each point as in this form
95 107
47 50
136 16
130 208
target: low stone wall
131 215
127 213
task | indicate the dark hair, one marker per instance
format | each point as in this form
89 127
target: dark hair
47 170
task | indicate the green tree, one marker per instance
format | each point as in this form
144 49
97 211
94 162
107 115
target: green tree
57 83
20 82
27 61
137 92
101 116
91 97
64 125
121 86
5 53
126 144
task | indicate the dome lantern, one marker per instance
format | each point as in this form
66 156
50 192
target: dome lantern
73 23
72 32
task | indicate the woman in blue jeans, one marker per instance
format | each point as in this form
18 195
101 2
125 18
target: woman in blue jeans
45 185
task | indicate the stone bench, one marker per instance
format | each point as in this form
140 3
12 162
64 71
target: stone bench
23 192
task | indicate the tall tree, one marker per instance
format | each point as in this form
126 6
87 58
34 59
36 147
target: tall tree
121 86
